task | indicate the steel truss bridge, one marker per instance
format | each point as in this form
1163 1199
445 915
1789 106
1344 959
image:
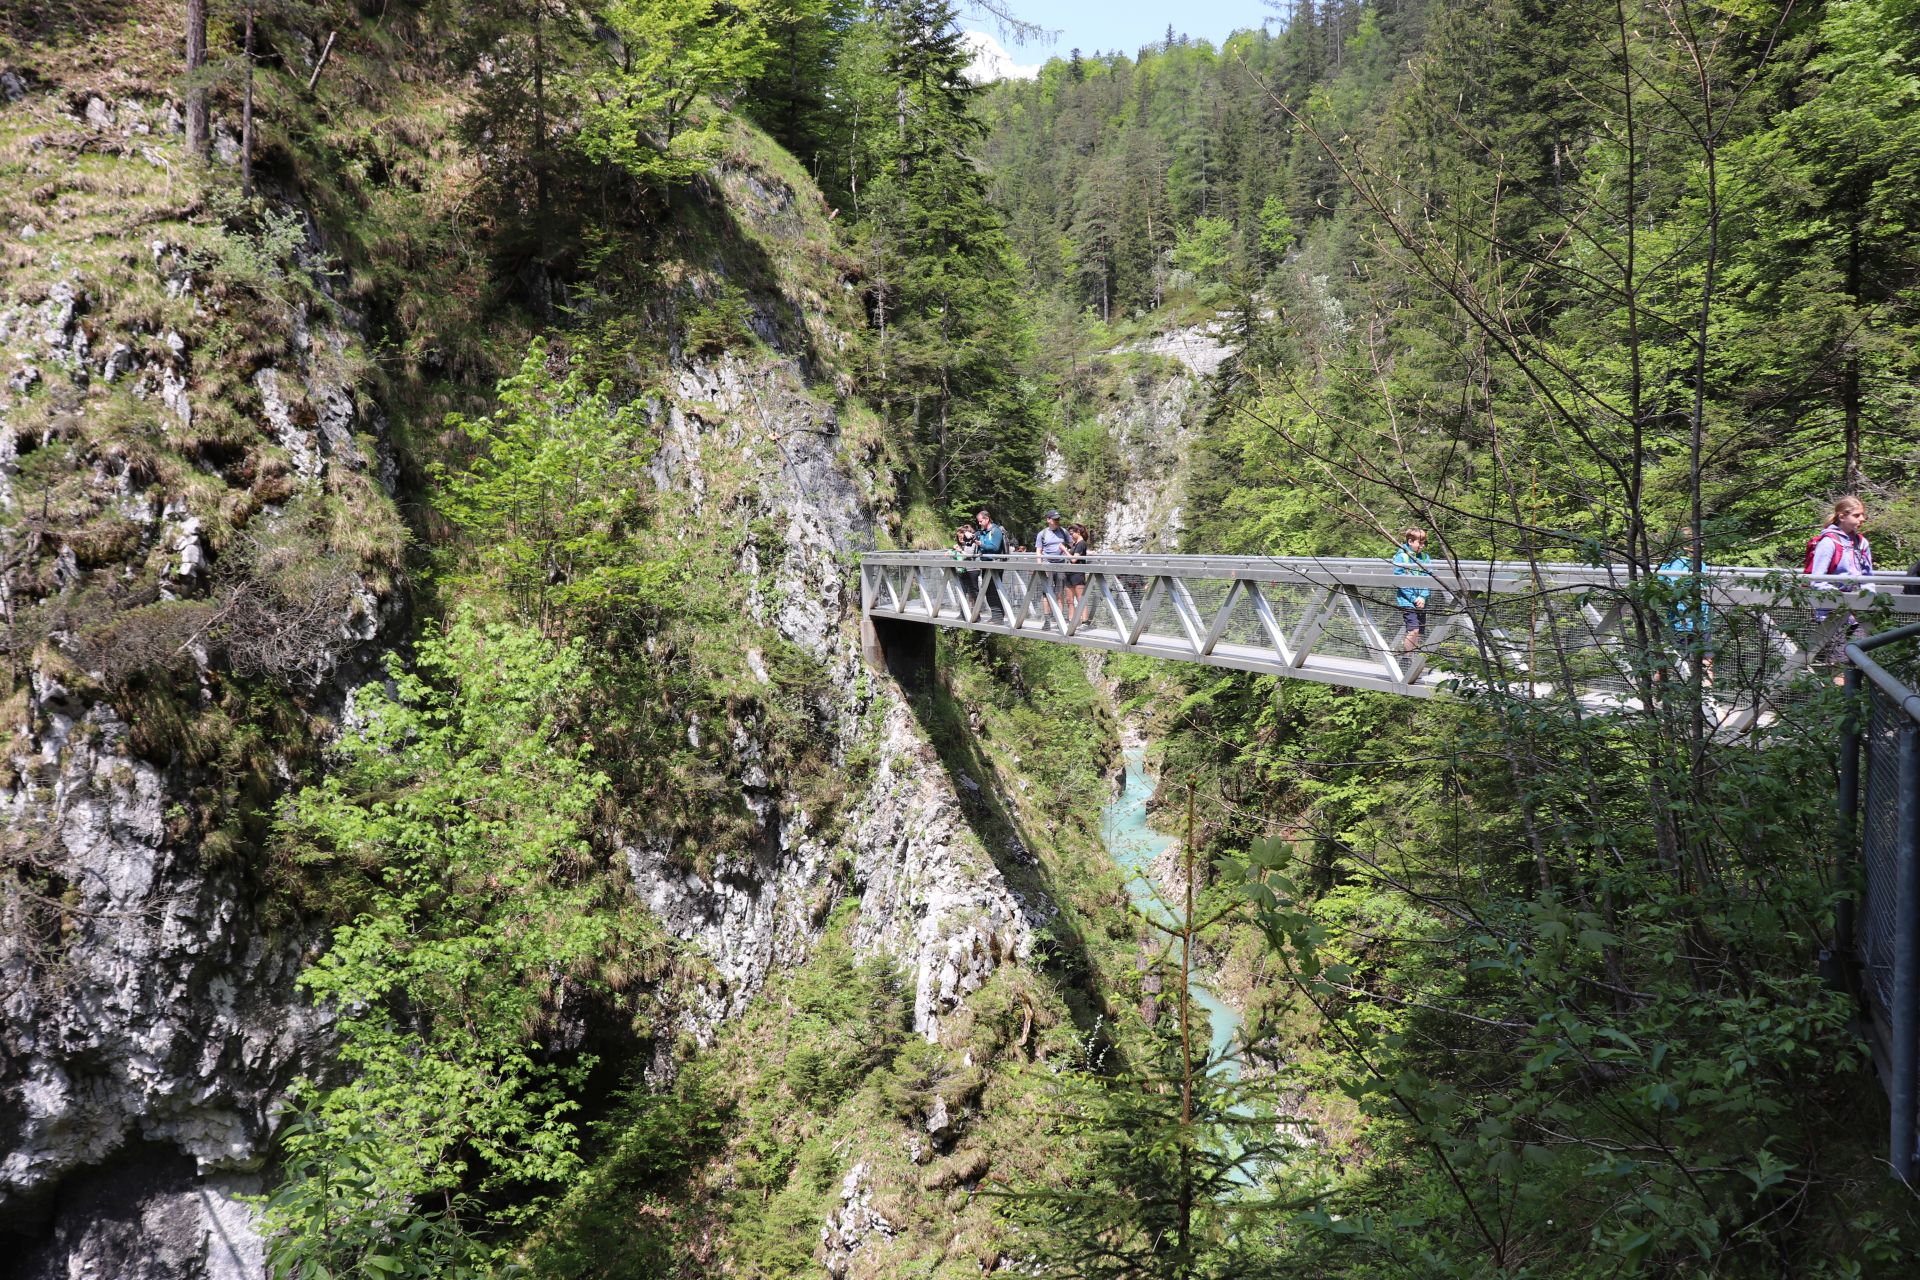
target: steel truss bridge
1542 631
1562 634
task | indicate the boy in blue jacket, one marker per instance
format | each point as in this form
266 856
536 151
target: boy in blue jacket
1412 558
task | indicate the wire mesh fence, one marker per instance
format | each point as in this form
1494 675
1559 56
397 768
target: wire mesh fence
1886 925
1880 841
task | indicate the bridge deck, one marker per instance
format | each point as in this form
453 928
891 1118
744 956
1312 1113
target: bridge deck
1543 631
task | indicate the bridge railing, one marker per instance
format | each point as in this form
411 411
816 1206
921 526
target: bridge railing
1883 935
1539 630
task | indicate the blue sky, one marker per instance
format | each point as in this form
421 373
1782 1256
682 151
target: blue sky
1100 25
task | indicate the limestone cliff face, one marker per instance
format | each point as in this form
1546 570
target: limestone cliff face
1152 421
928 894
151 1021
1153 429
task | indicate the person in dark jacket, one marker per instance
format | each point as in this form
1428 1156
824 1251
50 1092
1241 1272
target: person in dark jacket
991 538
1079 547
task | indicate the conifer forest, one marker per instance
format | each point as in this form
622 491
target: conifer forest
459 822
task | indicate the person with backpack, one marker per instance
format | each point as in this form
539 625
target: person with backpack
1691 636
1409 559
992 541
1840 550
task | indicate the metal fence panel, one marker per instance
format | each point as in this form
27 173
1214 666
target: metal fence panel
1880 845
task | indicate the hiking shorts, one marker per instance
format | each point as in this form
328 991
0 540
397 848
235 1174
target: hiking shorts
1414 618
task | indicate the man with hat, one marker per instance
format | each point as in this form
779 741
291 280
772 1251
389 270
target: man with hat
1050 547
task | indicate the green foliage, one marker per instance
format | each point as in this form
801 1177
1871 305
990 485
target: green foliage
621 1217
1276 228
1162 1159
1184 131
819 1038
556 498
641 112
344 1218
720 323
1205 249
254 246
463 799
1551 1113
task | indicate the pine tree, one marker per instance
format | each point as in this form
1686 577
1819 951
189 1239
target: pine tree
945 298
1832 192
1166 1150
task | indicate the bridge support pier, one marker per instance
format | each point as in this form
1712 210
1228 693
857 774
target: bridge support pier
902 649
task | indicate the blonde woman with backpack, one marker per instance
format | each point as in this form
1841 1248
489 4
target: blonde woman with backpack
1840 550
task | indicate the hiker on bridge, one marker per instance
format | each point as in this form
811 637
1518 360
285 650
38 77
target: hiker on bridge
992 542
966 550
1050 548
1692 636
1841 550
1411 558
1079 547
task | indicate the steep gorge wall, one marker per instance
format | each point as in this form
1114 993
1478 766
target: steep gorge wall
176 400
1152 395
150 1018
761 451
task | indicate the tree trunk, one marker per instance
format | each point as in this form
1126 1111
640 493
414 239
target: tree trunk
542 197
1184 1208
1850 477
246 117
196 91
900 112
540 120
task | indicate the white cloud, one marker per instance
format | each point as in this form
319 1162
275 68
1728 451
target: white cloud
991 62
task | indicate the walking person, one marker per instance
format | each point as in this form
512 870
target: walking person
1050 548
966 550
991 539
1409 559
1692 636
1079 547
1841 550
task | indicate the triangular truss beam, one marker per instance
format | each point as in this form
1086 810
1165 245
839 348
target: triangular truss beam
1542 631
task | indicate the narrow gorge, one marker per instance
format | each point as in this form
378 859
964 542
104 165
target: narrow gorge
459 824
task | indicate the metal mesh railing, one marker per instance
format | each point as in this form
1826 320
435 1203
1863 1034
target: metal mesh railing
1880 844
1883 800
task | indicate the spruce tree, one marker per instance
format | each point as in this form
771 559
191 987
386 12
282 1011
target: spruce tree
945 298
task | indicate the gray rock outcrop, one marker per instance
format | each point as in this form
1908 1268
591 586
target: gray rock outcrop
929 896
149 1022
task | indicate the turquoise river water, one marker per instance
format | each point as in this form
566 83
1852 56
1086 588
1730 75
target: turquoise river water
1134 845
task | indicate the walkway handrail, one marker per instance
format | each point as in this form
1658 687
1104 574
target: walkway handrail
1573 633
1887 948
1728 584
